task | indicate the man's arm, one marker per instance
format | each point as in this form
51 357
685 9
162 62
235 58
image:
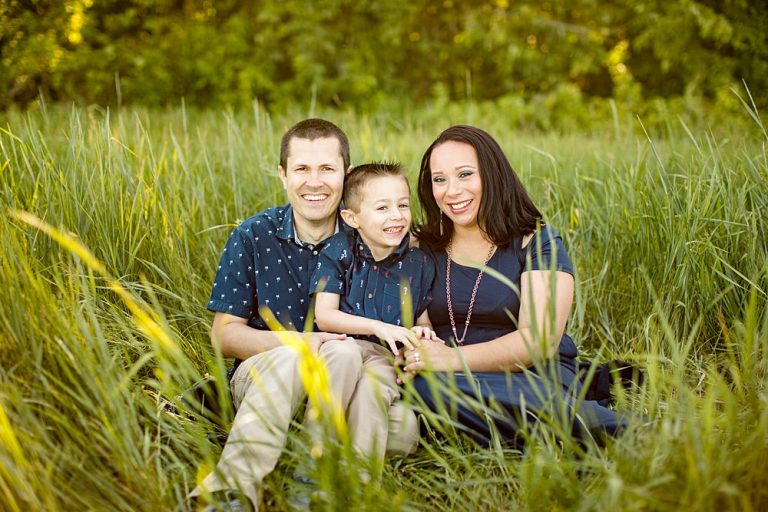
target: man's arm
235 338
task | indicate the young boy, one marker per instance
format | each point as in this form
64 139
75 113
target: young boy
363 280
359 275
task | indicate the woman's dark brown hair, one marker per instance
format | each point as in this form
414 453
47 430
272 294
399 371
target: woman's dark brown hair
506 209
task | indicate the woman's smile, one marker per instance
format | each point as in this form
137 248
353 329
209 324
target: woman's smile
460 207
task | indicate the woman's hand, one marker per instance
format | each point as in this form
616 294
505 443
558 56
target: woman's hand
435 356
424 333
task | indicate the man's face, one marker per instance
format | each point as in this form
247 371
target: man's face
313 178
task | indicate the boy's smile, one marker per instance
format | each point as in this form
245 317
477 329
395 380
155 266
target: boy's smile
384 215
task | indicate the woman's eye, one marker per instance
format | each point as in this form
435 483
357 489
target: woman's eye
464 174
438 179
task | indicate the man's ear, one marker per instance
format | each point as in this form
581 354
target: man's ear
350 219
282 175
349 169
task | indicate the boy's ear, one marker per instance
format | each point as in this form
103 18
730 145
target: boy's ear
349 218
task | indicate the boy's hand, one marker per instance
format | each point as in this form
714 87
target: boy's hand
425 333
391 334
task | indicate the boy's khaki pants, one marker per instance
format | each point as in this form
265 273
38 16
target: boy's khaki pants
267 390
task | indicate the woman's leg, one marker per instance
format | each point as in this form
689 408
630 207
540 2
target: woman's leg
508 405
460 403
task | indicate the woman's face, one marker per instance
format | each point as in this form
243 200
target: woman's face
456 183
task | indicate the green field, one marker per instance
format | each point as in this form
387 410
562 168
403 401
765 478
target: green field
667 227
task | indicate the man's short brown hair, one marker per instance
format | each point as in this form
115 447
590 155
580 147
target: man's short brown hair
312 129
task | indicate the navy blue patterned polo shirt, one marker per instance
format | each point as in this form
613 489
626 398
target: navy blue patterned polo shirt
263 264
371 288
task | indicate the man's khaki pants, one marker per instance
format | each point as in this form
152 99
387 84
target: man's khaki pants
267 390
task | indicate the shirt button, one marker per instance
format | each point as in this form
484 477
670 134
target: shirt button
370 295
314 252
375 267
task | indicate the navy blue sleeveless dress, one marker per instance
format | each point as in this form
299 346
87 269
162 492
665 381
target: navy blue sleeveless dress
513 402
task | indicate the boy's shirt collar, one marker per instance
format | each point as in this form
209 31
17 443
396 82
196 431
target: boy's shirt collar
400 251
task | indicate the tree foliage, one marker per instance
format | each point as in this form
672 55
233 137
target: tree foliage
362 54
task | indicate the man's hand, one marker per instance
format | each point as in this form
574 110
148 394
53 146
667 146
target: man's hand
391 334
316 340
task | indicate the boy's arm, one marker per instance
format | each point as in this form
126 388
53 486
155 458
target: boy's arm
329 318
423 327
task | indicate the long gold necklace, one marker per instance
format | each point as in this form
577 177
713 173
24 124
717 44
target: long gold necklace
460 341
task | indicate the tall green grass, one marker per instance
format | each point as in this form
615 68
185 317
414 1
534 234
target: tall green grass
667 231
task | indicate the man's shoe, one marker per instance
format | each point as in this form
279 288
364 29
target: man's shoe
228 501
300 495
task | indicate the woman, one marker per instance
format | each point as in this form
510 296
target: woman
510 335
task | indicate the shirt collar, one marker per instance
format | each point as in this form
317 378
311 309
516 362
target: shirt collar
395 255
287 231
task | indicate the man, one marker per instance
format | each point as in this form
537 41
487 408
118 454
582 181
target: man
268 262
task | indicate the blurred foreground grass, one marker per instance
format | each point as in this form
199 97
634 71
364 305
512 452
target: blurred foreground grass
667 232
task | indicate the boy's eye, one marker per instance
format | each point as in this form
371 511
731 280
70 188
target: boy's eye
381 208
403 205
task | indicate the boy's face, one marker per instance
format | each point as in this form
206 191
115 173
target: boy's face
383 217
